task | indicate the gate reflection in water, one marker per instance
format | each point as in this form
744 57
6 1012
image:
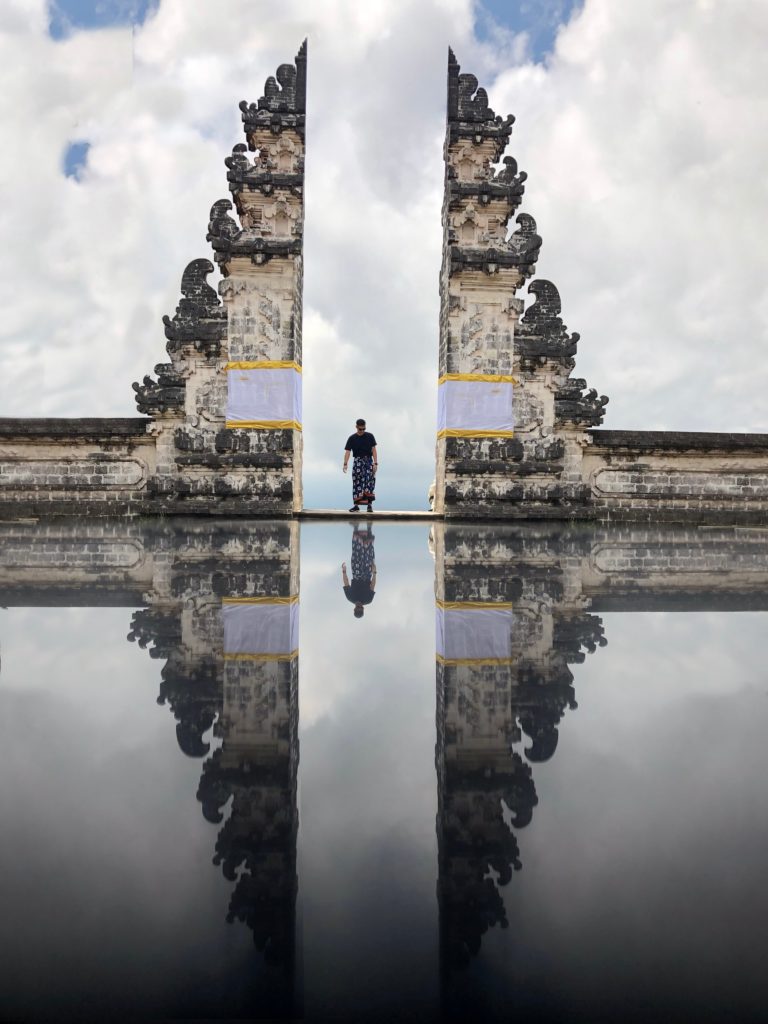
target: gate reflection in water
601 862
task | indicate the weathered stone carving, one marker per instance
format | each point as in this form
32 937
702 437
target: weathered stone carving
284 102
482 335
221 227
278 166
255 468
541 334
469 115
200 317
161 396
574 403
199 325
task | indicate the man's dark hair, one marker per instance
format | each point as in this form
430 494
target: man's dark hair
359 423
358 613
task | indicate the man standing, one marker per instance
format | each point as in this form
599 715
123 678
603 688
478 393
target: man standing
362 445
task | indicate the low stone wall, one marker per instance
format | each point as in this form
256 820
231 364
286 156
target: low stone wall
75 466
677 476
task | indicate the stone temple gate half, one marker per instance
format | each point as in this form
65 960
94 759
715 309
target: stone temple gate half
518 436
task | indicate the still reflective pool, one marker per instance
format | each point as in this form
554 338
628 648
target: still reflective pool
376 771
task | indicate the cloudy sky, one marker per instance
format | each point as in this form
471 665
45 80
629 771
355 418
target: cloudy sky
639 125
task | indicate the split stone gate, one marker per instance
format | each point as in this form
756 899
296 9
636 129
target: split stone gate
221 432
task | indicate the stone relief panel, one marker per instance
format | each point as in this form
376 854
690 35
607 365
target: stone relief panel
210 399
530 409
284 153
271 218
739 485
99 472
470 161
479 225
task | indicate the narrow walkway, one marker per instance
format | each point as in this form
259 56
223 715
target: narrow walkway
335 513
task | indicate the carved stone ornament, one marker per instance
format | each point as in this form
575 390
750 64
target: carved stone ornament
541 334
284 103
469 115
200 319
575 404
228 240
166 394
282 171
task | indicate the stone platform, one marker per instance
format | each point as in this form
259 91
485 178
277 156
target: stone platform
335 513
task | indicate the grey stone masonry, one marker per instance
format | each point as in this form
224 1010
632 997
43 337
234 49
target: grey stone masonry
676 476
515 453
75 466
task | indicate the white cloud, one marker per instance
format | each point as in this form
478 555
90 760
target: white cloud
643 141
645 155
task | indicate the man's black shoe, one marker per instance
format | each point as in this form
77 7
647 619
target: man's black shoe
355 508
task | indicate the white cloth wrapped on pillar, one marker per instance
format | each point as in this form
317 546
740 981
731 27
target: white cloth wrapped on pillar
264 395
474 632
261 628
475 404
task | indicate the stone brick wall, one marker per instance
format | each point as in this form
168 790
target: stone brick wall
87 466
677 476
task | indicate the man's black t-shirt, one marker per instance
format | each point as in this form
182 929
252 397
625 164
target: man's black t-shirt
360 444
359 591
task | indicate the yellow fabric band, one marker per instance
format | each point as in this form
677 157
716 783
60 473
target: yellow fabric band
260 600
266 365
262 657
263 425
473 661
485 605
473 433
487 378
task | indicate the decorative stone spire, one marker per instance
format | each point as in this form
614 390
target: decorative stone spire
469 116
480 201
284 103
511 423
227 406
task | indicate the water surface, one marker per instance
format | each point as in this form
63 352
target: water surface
252 770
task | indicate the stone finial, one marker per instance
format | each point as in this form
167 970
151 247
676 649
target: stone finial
508 175
220 225
540 333
164 395
238 163
575 404
524 242
542 336
284 103
200 317
469 115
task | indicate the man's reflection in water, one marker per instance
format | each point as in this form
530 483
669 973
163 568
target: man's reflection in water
363 586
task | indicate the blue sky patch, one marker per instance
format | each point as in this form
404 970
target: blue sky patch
539 18
75 158
66 16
